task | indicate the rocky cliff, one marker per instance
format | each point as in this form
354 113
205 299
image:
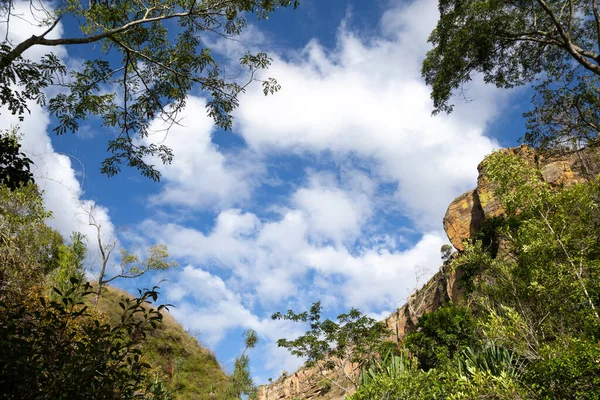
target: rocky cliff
462 219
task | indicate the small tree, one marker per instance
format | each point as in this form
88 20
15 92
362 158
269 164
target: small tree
71 259
345 346
131 266
446 251
241 381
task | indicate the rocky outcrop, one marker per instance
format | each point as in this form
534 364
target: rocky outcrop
311 384
462 220
466 213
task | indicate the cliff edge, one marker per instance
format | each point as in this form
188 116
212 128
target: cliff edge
462 220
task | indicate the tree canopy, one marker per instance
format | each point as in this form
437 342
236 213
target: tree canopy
14 164
149 57
553 44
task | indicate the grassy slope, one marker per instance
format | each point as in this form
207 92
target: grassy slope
189 370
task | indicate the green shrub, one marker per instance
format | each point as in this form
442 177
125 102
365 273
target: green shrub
440 335
53 349
569 369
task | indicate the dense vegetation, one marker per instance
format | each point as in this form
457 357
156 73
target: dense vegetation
529 326
55 344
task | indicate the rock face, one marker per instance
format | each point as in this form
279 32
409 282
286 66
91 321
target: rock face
463 218
466 213
311 384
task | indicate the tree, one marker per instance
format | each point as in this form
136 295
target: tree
241 381
131 266
153 54
440 335
512 43
15 166
345 346
29 249
446 251
59 349
71 263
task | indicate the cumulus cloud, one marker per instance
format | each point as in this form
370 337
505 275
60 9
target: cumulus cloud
363 107
200 175
279 261
331 212
365 98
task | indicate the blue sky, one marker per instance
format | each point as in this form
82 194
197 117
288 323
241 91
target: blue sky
333 189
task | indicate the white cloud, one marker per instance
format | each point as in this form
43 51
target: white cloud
366 99
200 175
332 213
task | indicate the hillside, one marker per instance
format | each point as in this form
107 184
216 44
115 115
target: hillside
189 370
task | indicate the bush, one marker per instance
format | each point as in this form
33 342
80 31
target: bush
569 369
440 335
58 349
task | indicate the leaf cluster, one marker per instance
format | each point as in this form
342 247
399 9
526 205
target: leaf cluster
153 54
15 166
354 338
550 44
52 349
440 335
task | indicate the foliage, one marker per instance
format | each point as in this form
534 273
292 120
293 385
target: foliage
418 386
565 112
179 363
71 259
15 166
568 369
345 346
511 43
59 349
29 249
440 335
489 358
552 278
471 263
152 56
393 364
442 382
241 382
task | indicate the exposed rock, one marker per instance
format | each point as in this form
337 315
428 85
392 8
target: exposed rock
463 218
313 383
467 212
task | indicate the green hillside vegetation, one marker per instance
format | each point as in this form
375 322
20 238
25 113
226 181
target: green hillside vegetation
528 325
187 369
55 344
